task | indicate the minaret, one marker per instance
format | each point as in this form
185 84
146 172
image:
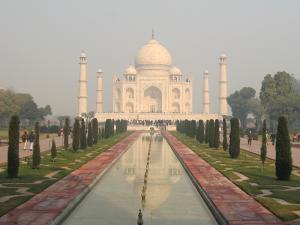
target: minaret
82 98
223 110
99 101
206 102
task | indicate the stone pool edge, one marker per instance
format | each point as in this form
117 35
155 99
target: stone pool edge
76 186
264 216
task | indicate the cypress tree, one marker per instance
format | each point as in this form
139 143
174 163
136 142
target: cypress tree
234 143
211 133
206 131
76 135
263 148
95 130
53 150
90 135
103 132
82 135
192 128
99 133
36 154
225 143
108 130
66 132
13 147
217 134
283 161
201 131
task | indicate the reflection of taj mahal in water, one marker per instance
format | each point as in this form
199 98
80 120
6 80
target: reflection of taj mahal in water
153 89
165 169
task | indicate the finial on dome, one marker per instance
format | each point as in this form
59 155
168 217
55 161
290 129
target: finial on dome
152 33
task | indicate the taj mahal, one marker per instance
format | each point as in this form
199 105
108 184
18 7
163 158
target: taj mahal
153 89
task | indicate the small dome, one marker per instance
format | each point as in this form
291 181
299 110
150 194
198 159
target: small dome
223 56
153 53
205 71
175 71
130 70
99 71
83 55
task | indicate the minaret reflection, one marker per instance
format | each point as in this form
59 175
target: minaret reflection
165 169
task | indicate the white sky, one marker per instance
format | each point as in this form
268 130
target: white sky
41 41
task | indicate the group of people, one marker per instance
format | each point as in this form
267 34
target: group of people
28 140
272 137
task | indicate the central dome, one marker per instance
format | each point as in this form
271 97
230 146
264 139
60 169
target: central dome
153 54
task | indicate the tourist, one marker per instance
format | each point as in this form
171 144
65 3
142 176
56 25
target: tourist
249 138
24 139
31 139
294 137
273 138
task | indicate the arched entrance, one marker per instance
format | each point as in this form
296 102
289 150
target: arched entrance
152 100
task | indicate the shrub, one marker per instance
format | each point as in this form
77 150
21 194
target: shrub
234 143
211 133
217 134
95 130
53 150
90 135
36 154
76 135
13 147
283 151
82 135
200 131
66 132
207 131
263 148
225 143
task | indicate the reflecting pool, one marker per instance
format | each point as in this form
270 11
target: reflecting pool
169 195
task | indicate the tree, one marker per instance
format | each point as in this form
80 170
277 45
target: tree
225 143
108 128
279 97
234 142
217 134
13 147
263 148
83 143
200 131
283 161
211 131
53 150
192 128
90 135
95 130
66 132
76 135
207 131
36 154
242 103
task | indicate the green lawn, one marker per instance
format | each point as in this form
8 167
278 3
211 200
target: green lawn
249 165
35 180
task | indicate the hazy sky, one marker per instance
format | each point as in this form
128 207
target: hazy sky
40 42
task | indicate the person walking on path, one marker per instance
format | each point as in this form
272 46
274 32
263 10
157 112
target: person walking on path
273 138
24 139
249 138
31 138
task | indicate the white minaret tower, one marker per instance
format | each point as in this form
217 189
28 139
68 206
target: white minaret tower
99 101
223 109
206 103
83 96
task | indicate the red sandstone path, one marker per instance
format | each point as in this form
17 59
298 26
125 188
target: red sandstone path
271 153
44 145
234 204
44 207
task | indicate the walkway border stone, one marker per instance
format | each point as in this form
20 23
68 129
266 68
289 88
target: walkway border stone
52 205
235 205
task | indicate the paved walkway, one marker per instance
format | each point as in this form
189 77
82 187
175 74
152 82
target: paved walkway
234 204
271 153
44 145
46 206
